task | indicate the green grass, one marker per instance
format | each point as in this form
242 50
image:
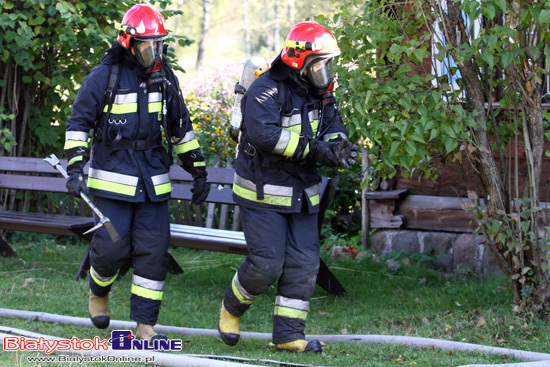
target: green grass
414 301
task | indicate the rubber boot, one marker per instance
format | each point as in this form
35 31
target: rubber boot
146 332
228 327
98 308
300 346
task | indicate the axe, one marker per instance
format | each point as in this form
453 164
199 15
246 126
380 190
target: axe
103 220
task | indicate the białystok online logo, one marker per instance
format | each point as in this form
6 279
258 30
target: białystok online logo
124 340
120 340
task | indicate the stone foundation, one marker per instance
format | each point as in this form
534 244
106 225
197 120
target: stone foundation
460 251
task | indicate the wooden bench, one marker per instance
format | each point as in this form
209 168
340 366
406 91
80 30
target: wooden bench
34 174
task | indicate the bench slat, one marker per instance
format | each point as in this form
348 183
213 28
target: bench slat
44 222
34 183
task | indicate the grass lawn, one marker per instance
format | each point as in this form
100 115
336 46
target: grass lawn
412 301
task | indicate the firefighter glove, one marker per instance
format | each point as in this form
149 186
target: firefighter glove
346 153
75 184
324 153
200 190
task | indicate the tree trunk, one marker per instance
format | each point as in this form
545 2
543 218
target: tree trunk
205 26
276 26
246 29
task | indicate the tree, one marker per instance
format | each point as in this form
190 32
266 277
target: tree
487 97
48 47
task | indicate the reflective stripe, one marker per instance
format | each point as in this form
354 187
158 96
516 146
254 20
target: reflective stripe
155 107
111 187
161 179
113 182
76 159
290 313
297 304
334 136
199 164
189 142
292 120
312 193
123 103
242 295
155 97
155 285
163 189
113 177
101 281
313 115
146 293
189 136
315 127
291 307
76 135
162 184
292 144
268 199
126 98
122 109
268 189
282 144
69 144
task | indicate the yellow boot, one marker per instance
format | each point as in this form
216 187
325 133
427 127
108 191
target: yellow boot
300 346
228 327
100 313
146 332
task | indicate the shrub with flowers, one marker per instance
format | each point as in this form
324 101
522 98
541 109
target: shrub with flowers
209 96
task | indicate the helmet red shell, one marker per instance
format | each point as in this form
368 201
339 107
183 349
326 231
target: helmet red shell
307 41
142 21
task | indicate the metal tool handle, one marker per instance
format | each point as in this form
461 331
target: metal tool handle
57 165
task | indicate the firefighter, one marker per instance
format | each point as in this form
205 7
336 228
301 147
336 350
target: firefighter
129 163
291 125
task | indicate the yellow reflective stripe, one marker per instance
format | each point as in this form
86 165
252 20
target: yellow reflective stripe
75 143
76 159
186 147
315 127
118 188
155 107
199 164
292 145
306 151
295 129
163 188
238 293
119 109
314 199
313 194
290 312
268 199
146 293
101 281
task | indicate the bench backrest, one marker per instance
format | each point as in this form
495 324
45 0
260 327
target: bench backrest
47 179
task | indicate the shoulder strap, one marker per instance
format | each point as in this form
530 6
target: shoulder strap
114 78
282 91
113 81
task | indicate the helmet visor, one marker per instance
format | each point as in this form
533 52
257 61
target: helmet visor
319 72
148 51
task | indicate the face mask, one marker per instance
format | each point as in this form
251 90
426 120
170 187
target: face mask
319 73
148 52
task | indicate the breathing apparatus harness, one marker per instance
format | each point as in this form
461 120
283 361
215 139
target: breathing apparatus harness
155 78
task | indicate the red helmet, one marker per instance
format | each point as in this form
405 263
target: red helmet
309 48
143 22
143 28
307 41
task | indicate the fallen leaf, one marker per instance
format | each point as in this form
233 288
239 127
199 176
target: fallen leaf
481 322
